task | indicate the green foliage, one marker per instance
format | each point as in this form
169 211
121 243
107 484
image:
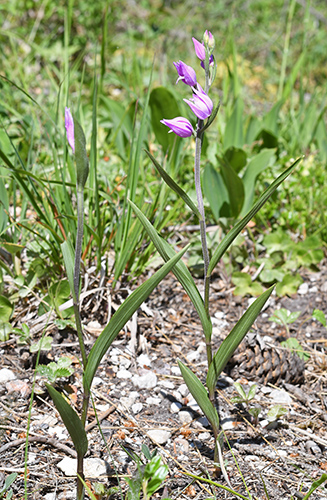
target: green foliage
58 294
244 285
276 412
284 317
53 371
295 346
319 316
44 344
243 396
5 492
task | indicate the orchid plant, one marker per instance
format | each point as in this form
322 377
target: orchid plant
202 106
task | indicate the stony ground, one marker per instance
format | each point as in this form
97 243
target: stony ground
140 398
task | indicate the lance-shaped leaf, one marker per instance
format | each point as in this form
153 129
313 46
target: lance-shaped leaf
68 255
122 315
180 270
82 161
234 338
200 394
71 420
175 187
230 237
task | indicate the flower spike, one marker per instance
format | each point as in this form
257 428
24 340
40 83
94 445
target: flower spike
201 104
185 73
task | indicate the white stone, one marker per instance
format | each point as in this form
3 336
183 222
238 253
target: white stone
124 362
201 422
123 374
93 467
175 370
143 360
159 436
303 289
185 417
228 424
281 397
137 407
183 390
282 453
175 407
153 401
97 381
167 384
6 375
147 381
58 431
50 496
204 436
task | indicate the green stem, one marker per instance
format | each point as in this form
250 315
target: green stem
80 476
78 253
205 252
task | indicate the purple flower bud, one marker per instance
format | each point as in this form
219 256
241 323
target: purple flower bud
69 124
199 49
180 126
209 39
185 73
211 62
201 104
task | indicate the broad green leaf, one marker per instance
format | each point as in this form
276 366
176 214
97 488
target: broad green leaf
270 121
215 191
255 166
8 482
180 270
253 128
289 285
230 237
244 285
234 338
4 206
234 127
71 420
236 158
68 255
5 331
275 412
44 344
235 188
163 106
6 309
122 315
240 390
319 316
252 391
200 394
172 184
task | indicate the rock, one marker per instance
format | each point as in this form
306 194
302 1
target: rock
175 371
50 496
153 401
182 445
183 390
167 384
204 436
159 436
143 360
97 381
281 397
6 375
185 417
228 424
58 431
312 447
20 386
201 422
175 407
93 467
147 381
123 374
137 407
303 289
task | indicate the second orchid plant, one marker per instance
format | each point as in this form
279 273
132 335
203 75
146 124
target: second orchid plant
203 108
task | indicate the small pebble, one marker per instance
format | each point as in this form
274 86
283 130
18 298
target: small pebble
159 436
123 374
93 467
185 417
6 375
281 397
167 384
143 360
228 424
204 436
137 407
175 407
182 445
201 422
303 289
153 401
282 453
97 381
312 447
175 371
183 390
147 381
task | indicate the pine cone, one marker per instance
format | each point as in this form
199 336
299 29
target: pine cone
255 360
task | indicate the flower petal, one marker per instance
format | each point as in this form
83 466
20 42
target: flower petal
185 73
180 126
69 124
199 49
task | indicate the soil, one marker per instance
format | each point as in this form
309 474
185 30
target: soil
275 460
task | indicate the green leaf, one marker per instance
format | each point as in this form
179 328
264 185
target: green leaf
200 394
172 184
6 309
255 166
5 330
235 188
43 344
122 315
244 285
215 191
236 158
240 390
316 485
69 260
71 420
275 412
235 337
8 482
289 285
82 161
252 391
234 127
180 270
230 237
163 106
284 316
319 316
